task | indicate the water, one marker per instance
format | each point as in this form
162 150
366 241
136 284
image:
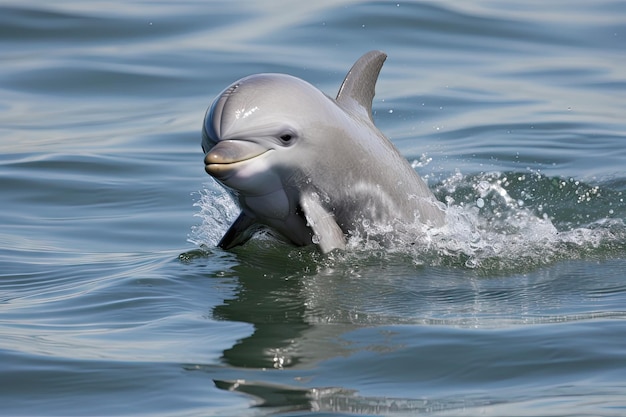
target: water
115 301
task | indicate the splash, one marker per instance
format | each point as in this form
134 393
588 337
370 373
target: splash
512 220
494 221
217 212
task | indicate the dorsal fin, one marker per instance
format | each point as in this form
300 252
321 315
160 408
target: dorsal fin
357 90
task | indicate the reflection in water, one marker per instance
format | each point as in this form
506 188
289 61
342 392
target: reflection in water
273 305
280 292
331 399
317 318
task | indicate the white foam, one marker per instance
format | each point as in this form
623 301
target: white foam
486 228
217 212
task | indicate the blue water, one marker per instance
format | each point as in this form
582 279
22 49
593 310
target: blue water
114 299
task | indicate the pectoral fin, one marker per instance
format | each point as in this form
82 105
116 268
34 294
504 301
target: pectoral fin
239 232
327 233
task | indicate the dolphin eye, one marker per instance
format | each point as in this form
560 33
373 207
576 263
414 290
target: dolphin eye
287 135
288 138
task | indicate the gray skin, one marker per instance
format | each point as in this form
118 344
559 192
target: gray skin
310 168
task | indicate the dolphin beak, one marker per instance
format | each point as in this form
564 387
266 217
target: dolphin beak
221 159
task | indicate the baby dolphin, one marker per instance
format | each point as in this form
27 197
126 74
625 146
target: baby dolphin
311 169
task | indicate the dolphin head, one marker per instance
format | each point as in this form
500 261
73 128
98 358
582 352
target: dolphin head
257 136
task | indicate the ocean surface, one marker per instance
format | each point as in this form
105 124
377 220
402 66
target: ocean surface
115 300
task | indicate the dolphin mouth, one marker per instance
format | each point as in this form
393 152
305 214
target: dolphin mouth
223 159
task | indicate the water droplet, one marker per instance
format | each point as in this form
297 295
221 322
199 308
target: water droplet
472 263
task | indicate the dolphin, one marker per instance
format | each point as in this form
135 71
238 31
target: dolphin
309 168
